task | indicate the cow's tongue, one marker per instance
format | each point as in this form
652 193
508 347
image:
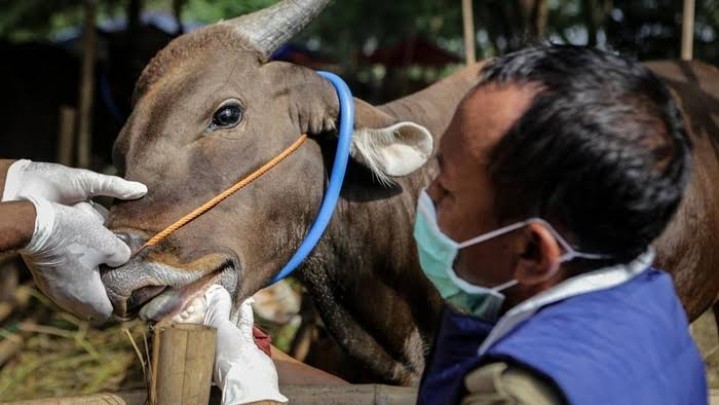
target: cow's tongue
163 306
186 305
176 308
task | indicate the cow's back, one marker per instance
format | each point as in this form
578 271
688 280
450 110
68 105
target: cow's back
689 248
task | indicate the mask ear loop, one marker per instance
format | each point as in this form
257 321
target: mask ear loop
571 253
493 234
504 286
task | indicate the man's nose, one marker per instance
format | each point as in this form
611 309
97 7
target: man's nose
134 241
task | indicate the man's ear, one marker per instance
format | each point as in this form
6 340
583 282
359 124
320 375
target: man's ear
540 258
388 147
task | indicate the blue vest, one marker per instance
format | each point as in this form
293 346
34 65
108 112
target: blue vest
628 344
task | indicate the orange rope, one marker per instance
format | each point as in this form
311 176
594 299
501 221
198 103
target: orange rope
219 198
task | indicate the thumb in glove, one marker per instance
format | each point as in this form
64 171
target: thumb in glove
243 372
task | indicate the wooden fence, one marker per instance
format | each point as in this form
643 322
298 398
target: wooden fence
298 394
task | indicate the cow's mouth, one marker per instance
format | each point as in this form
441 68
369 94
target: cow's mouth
171 303
163 292
178 304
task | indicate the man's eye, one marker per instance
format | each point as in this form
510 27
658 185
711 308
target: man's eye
227 116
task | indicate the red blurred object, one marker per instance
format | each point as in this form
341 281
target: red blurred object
262 340
414 50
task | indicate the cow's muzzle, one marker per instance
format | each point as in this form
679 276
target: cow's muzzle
158 291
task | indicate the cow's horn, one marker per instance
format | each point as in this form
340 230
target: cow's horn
273 26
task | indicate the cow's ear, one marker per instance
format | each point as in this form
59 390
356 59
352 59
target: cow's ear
387 146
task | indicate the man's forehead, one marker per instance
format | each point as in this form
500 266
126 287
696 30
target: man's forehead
487 113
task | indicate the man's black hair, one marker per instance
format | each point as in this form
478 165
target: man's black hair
600 151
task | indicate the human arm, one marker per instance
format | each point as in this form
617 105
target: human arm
68 241
501 383
17 223
4 166
293 372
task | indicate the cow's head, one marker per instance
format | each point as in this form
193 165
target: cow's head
210 108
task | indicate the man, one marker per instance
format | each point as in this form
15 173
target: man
567 162
46 214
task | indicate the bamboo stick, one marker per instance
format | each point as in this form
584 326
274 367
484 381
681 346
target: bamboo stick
87 84
182 360
688 30
66 135
469 41
297 394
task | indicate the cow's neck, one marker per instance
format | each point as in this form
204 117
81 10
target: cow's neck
434 106
380 307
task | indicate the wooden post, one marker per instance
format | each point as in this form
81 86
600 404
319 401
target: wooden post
688 30
182 361
66 135
298 394
87 84
469 34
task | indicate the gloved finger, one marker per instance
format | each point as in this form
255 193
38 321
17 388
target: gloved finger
219 304
247 317
94 309
100 209
90 210
96 305
115 251
97 184
74 288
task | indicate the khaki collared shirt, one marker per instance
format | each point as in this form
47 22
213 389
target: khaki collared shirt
504 384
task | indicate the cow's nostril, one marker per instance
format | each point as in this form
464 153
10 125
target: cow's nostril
132 240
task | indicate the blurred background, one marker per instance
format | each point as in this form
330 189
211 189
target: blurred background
67 72
384 49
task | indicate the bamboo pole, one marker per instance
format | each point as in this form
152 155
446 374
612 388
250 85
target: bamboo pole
688 30
182 360
297 394
469 41
66 135
87 84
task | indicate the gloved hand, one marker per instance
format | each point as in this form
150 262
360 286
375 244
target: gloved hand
243 372
64 254
65 185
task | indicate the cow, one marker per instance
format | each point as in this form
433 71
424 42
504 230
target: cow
211 108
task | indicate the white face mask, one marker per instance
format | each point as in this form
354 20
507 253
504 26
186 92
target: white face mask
437 253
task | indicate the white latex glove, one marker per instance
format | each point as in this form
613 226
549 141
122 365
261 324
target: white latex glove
243 372
64 254
26 180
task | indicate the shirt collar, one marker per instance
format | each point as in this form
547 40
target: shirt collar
596 280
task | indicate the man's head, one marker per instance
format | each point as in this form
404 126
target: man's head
587 140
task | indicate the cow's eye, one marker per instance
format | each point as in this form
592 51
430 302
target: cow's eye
227 116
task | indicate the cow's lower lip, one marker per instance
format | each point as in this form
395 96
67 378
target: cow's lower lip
140 297
171 301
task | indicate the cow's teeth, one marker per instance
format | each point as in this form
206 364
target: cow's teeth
194 311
